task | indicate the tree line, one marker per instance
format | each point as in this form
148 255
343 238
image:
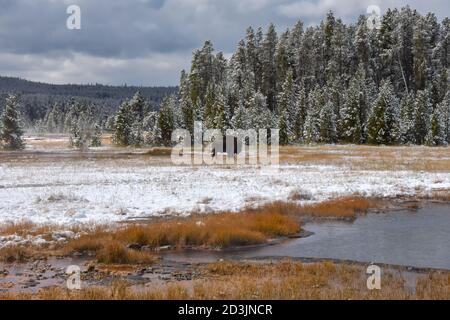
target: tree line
330 83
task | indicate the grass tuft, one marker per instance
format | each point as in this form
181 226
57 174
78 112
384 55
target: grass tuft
116 253
12 254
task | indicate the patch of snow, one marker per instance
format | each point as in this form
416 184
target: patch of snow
109 191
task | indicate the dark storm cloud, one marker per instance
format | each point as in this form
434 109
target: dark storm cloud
145 41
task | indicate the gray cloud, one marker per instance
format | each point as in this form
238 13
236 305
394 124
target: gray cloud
146 41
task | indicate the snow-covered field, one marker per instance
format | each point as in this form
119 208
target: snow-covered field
103 190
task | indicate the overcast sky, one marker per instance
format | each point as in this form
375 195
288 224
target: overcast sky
147 42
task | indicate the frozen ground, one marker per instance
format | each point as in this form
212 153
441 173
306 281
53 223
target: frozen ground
108 190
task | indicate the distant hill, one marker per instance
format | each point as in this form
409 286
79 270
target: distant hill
37 97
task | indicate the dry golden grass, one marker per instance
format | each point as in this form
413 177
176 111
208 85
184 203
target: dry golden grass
25 228
437 195
342 207
159 152
280 280
48 142
15 254
116 253
220 230
415 158
345 207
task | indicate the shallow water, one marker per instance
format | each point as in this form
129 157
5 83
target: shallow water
411 238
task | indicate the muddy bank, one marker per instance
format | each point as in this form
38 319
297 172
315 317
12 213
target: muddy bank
41 274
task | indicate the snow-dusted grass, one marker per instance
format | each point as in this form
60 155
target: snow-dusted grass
73 189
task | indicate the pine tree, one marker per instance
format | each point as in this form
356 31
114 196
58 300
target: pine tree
444 44
420 55
96 139
283 127
10 129
444 108
282 58
165 122
138 107
259 115
327 124
136 138
422 113
387 46
312 123
209 114
186 106
286 104
301 107
362 44
436 134
122 125
350 124
76 138
221 119
407 119
382 126
240 119
269 80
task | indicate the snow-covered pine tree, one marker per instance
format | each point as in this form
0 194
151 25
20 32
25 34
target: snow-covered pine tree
260 115
240 118
252 59
382 127
422 114
136 134
316 102
444 43
444 106
55 119
165 121
75 136
122 125
209 115
287 100
282 58
96 138
185 103
10 125
222 114
420 54
138 106
301 109
269 80
407 119
436 134
387 46
283 127
350 124
327 124
361 42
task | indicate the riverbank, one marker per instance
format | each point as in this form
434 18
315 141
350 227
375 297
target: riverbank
257 279
179 271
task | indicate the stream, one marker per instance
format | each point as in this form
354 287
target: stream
417 238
